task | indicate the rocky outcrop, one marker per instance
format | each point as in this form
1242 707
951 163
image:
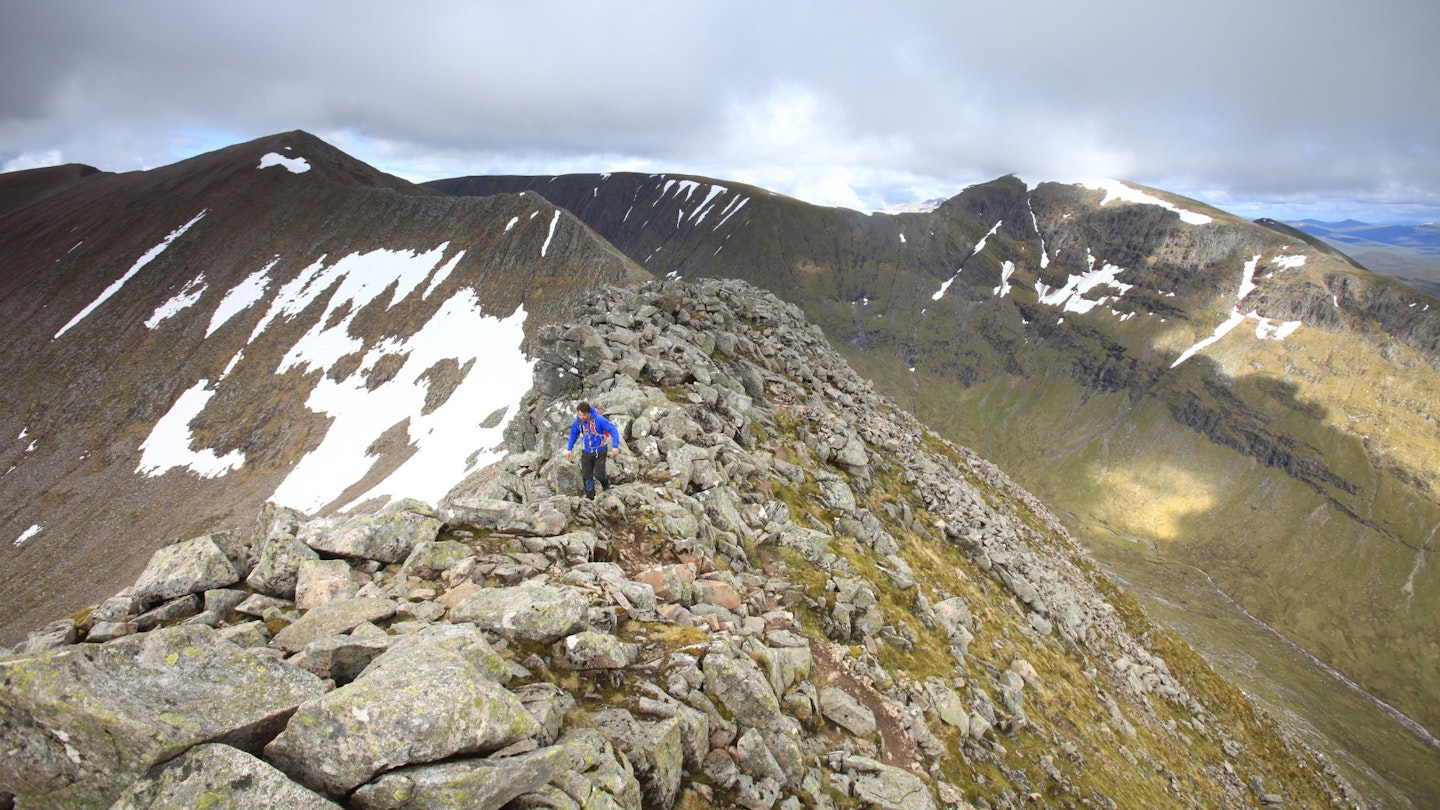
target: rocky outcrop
792 596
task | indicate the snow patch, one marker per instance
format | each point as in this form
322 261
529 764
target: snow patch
357 279
979 246
1247 278
293 165
1221 331
129 274
1289 262
449 442
241 297
551 235
511 223
1116 190
181 301
1071 297
1266 329
1006 270
27 534
169 444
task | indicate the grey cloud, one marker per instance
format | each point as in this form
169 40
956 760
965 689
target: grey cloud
1273 98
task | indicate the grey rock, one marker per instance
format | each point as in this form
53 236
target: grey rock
222 778
540 613
320 581
387 538
591 650
482 784
754 759
279 565
332 618
223 601
420 702
887 788
340 658
162 692
654 749
743 689
55 634
432 558
845 711
193 566
504 517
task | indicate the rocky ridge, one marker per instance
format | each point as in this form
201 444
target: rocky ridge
792 595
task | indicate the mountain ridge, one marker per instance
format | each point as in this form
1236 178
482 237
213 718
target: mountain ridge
1227 393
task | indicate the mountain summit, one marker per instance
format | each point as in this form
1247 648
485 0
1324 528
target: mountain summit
271 321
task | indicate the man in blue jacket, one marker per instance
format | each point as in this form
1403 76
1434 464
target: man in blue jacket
596 434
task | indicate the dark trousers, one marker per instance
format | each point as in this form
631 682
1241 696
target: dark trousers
592 469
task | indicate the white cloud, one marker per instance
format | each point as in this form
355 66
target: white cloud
33 160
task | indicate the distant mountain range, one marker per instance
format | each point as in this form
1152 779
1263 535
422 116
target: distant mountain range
1410 253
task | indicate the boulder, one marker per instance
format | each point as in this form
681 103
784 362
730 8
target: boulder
320 581
332 618
422 701
62 711
482 784
505 517
591 650
432 558
654 749
542 613
279 565
671 583
193 566
886 788
845 711
56 634
219 777
387 538
743 689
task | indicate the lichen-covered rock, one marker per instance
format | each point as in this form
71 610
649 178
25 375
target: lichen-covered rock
654 749
845 711
419 702
431 558
743 689
540 613
55 634
279 566
481 784
505 517
218 777
591 650
332 618
193 566
882 786
62 711
320 581
387 538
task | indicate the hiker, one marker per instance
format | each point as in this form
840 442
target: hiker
595 433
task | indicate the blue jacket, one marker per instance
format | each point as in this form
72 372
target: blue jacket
594 434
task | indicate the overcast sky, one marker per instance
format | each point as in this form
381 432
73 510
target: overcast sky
1284 108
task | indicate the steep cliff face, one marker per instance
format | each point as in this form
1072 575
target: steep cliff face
274 320
1232 396
791 594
